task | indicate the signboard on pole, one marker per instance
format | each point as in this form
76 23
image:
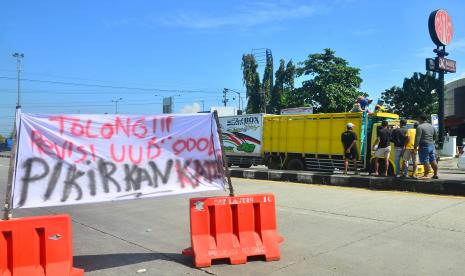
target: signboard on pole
440 27
73 159
447 65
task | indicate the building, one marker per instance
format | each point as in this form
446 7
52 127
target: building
454 109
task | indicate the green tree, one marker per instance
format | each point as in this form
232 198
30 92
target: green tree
251 81
416 96
283 87
333 86
289 92
267 84
275 102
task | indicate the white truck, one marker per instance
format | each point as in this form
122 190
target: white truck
242 139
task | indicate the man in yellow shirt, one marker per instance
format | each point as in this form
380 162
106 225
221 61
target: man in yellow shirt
409 151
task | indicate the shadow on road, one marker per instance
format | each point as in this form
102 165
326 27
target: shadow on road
98 262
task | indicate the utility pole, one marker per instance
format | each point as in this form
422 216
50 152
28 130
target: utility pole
225 96
18 57
238 95
116 104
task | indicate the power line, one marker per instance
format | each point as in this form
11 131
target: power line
105 86
95 105
38 104
69 77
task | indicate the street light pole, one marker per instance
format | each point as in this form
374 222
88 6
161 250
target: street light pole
116 104
18 57
239 96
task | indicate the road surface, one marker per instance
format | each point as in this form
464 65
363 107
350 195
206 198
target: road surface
327 231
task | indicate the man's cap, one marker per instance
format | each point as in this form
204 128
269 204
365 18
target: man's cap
369 99
350 125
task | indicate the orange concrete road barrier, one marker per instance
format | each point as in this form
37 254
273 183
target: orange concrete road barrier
234 228
37 246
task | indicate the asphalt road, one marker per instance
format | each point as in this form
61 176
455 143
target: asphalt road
327 231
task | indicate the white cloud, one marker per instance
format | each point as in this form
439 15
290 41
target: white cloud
191 108
252 15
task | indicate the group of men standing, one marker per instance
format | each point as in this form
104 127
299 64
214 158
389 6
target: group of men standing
407 143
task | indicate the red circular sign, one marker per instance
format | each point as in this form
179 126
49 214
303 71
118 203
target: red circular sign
440 27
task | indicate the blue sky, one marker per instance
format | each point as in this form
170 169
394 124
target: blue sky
192 49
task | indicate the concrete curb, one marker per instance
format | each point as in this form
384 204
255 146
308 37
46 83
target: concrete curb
434 186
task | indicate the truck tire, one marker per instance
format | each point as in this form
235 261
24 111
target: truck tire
295 165
245 166
274 164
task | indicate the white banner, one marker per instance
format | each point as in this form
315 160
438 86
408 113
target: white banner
73 159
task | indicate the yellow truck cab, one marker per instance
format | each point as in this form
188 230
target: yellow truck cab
392 163
313 141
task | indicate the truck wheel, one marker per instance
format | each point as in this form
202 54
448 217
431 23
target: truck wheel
295 165
245 166
274 164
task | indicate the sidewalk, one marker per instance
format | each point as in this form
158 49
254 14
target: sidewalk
451 180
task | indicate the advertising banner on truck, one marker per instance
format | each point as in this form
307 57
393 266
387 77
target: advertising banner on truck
297 110
72 159
242 134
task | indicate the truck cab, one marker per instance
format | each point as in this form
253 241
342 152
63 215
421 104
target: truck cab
392 165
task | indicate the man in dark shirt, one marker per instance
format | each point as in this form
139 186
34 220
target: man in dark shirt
382 147
349 139
399 137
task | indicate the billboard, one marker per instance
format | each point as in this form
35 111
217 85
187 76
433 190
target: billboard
242 134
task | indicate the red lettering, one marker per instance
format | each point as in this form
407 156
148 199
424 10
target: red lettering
154 124
70 149
191 143
202 148
36 138
77 129
92 150
60 151
49 147
88 134
83 153
150 145
176 146
140 124
61 122
113 155
119 125
131 157
169 121
106 131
